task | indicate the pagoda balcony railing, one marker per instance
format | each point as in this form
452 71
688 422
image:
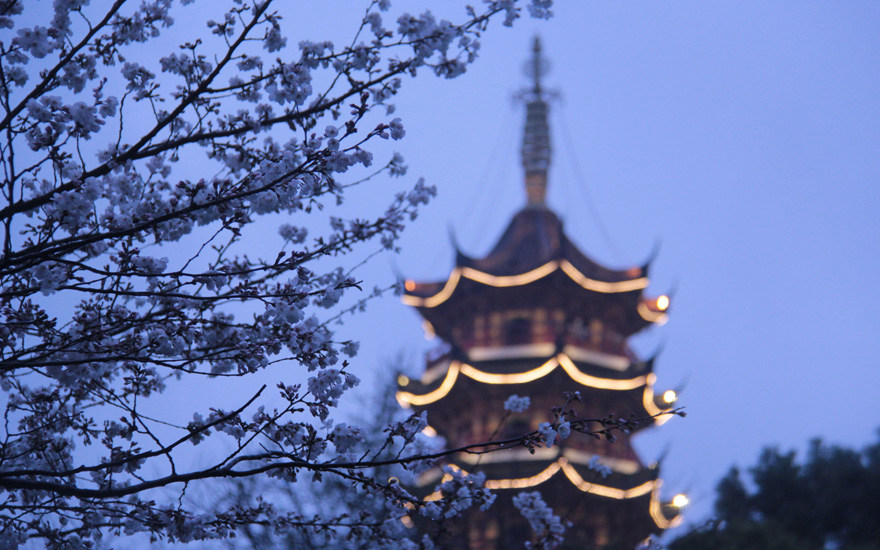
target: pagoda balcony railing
600 341
604 341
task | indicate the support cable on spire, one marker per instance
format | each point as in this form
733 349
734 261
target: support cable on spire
493 181
582 185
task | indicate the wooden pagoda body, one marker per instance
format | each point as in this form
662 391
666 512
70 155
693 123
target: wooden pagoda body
536 317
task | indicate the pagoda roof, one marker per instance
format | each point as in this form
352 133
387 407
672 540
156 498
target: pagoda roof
559 462
535 237
440 379
533 247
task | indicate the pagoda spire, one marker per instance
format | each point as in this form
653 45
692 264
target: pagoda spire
536 137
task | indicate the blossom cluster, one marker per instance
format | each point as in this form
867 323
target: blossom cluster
546 525
517 404
459 493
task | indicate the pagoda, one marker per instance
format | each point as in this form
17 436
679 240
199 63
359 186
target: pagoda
537 317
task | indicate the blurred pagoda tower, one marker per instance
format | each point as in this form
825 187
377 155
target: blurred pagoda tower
537 317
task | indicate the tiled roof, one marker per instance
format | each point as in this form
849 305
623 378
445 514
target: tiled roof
534 237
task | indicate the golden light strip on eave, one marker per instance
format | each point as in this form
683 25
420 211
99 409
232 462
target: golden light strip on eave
656 511
510 378
602 286
510 280
602 490
524 482
406 398
440 297
572 475
651 316
523 279
595 381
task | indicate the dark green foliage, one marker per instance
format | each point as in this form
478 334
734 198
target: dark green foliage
830 500
733 498
740 535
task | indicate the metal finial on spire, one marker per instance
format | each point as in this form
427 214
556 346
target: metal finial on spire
536 67
536 137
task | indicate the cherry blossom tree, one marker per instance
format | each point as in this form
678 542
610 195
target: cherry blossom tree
332 496
134 171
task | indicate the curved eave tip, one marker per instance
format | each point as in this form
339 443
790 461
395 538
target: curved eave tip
453 239
395 269
652 255
462 259
661 345
673 288
680 387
